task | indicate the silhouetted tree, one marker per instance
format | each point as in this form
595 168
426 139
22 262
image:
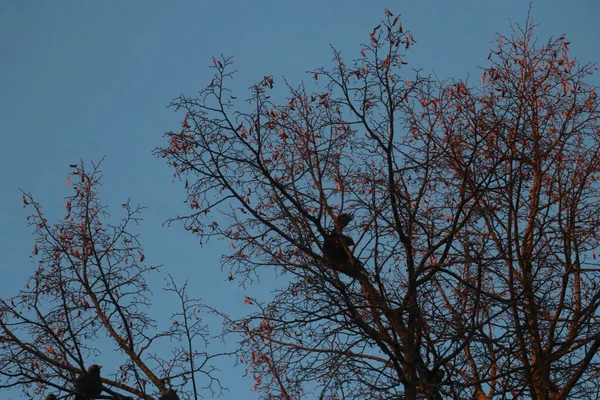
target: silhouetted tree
91 283
476 223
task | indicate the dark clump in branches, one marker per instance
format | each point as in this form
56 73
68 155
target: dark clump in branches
337 247
169 395
89 385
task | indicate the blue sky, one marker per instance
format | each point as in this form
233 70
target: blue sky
92 79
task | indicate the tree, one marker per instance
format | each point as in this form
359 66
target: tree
475 222
90 286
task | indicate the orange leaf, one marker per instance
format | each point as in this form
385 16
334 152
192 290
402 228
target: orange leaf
362 53
68 180
388 12
247 300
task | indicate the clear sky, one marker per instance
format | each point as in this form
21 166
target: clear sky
87 79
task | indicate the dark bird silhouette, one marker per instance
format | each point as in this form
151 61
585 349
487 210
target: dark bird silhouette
430 381
51 397
169 395
336 247
89 385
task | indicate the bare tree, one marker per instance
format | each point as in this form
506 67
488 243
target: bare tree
90 288
470 268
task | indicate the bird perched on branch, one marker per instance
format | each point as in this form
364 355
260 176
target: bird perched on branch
169 395
336 247
89 385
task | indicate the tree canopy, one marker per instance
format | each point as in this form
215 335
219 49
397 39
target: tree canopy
436 239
